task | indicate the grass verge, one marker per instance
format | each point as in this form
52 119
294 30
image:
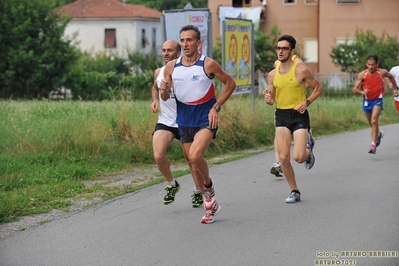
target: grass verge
54 154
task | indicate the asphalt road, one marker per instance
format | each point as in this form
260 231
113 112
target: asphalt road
349 207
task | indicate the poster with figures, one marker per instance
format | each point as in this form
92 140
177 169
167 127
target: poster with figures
238 52
174 20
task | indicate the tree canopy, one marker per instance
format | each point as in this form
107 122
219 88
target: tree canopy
34 56
265 44
351 56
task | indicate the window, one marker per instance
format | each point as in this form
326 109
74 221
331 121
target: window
347 1
311 1
241 3
311 50
110 38
289 2
144 40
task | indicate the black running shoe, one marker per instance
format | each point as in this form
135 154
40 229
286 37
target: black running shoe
170 193
197 199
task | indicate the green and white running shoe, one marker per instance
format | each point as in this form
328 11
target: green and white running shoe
170 193
197 199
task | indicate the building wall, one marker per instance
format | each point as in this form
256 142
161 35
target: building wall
213 6
91 33
325 22
379 16
299 20
138 25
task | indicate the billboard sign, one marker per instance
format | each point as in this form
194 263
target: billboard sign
174 20
238 53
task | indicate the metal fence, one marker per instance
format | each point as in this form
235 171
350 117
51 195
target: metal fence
337 81
334 81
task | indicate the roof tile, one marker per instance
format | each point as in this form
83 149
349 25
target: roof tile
108 9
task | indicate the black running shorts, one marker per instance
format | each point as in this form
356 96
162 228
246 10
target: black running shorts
187 133
174 130
292 119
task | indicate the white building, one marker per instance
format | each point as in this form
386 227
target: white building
113 26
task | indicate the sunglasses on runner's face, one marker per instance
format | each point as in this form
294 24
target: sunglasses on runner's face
284 48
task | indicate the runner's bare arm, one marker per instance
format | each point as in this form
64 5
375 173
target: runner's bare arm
313 83
270 92
359 82
212 68
155 93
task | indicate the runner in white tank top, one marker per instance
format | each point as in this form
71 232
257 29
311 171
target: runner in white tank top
395 73
167 112
166 129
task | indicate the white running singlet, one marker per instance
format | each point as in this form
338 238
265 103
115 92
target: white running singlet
395 73
194 92
167 113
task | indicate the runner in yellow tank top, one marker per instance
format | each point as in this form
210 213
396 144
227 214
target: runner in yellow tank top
289 92
275 169
291 117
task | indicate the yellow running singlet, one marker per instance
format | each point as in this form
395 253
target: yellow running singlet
289 92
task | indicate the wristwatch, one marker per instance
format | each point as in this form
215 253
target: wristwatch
308 102
217 108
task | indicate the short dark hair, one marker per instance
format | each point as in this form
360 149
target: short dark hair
289 39
192 27
178 47
373 57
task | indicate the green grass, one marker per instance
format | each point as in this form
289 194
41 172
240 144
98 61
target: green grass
48 150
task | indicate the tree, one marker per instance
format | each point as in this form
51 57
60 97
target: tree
351 56
35 58
265 53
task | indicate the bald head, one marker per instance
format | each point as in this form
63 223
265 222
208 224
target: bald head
170 50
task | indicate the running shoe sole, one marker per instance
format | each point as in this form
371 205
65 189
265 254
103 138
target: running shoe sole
275 171
379 137
310 137
291 202
309 163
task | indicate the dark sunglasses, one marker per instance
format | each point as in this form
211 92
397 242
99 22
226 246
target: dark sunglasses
284 48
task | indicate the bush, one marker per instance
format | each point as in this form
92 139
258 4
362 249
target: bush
100 77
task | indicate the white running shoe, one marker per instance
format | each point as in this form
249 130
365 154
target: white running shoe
294 197
276 170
